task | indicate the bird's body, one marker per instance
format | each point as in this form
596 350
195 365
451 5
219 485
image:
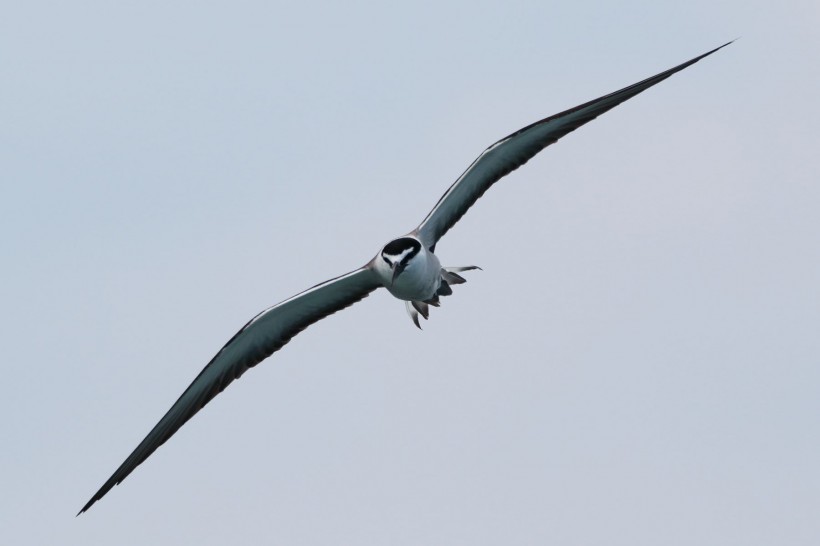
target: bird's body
419 276
407 267
413 273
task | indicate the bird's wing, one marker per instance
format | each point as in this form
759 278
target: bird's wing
258 339
511 152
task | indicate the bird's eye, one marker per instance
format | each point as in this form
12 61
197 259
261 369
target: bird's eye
386 260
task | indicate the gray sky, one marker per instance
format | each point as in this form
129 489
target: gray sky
636 365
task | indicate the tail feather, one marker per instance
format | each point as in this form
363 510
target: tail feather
452 278
434 301
444 289
449 276
414 315
462 268
422 308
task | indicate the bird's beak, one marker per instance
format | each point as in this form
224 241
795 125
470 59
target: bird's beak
397 268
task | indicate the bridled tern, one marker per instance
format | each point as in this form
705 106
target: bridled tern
407 267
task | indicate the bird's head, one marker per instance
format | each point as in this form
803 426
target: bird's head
398 253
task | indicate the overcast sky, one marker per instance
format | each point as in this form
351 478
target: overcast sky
638 363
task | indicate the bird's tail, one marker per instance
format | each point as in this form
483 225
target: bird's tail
449 277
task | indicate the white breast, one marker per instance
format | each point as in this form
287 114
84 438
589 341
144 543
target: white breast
419 281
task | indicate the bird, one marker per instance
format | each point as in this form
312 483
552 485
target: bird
407 267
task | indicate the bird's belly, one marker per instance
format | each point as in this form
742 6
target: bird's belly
414 288
418 283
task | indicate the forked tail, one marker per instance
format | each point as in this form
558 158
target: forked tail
449 277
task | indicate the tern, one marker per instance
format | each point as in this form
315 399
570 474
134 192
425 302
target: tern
407 267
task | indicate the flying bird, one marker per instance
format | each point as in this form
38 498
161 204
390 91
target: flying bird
407 267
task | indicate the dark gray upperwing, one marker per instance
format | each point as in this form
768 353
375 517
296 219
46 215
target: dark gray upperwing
257 340
511 152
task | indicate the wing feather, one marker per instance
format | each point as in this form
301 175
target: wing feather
263 335
511 152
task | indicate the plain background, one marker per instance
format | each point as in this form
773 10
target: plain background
636 365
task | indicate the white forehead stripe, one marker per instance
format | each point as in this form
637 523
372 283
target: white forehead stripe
399 257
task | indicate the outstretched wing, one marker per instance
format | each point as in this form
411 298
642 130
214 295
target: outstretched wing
511 152
257 340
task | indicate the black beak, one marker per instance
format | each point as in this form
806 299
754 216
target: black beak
397 269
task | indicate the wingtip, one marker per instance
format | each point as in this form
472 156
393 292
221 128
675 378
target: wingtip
704 55
86 507
718 48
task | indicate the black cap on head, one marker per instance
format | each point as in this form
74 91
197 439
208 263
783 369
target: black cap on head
397 247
